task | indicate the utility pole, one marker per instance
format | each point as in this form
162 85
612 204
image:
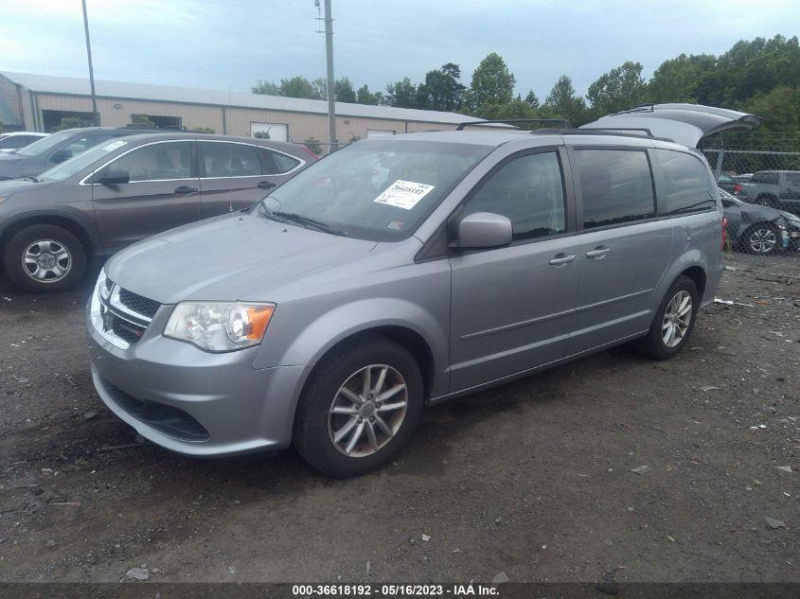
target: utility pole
331 83
95 116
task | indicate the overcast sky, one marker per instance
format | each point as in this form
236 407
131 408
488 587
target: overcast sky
223 44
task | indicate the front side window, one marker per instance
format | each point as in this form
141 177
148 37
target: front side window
275 163
45 144
529 191
616 186
221 160
156 162
88 158
687 185
376 190
770 178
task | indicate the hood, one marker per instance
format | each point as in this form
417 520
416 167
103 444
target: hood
685 124
234 257
20 185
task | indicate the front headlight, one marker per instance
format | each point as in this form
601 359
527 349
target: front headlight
219 326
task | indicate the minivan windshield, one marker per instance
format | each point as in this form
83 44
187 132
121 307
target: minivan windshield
75 165
375 190
45 144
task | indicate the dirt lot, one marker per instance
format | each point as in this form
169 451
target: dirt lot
534 479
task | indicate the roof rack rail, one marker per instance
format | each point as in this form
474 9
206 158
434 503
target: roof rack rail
461 126
648 107
620 132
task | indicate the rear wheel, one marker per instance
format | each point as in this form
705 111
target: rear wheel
674 321
762 238
45 258
359 408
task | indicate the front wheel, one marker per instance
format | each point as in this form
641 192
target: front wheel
674 321
45 258
762 239
359 408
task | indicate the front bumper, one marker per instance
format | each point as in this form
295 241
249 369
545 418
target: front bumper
191 401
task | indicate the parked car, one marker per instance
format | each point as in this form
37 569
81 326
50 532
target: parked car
775 188
329 313
759 229
18 139
127 189
42 155
729 184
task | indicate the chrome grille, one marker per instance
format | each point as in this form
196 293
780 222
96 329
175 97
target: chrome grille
123 316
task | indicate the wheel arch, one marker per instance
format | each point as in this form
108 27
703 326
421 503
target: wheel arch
88 239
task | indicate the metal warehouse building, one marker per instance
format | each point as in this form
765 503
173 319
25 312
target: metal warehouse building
39 102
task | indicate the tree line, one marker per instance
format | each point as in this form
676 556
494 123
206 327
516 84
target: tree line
761 76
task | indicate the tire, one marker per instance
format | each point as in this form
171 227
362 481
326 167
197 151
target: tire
654 345
316 426
762 239
62 262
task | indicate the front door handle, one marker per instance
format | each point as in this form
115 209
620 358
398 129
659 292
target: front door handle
561 260
598 253
267 185
185 190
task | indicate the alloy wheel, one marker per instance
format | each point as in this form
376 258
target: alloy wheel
367 410
763 240
677 318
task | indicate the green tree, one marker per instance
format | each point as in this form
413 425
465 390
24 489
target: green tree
442 89
298 87
676 80
492 83
139 119
344 91
516 109
312 143
261 135
531 100
320 87
73 122
267 88
402 94
203 130
562 102
364 96
619 89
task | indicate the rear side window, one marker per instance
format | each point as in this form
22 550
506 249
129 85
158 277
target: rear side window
793 180
687 185
616 186
275 163
222 160
529 191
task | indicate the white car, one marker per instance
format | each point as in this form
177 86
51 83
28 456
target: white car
10 142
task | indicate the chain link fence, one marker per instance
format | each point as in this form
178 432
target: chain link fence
762 199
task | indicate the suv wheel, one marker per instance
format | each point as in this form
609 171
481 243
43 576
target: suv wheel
762 239
359 408
674 321
45 258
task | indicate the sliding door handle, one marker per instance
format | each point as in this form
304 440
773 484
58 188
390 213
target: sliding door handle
598 253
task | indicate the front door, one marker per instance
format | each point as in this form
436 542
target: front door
512 307
163 193
623 251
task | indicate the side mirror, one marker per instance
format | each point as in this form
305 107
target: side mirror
484 230
112 177
61 156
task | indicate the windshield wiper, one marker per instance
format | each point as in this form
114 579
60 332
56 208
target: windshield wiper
306 221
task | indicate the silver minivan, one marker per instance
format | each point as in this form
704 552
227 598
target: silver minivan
331 312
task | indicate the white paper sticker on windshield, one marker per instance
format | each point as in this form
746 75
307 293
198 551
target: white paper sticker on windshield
404 194
114 145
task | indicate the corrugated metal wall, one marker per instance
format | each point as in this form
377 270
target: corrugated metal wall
237 121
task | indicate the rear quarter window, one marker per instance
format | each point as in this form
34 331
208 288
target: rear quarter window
687 184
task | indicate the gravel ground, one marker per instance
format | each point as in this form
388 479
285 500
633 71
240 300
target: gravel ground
610 466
